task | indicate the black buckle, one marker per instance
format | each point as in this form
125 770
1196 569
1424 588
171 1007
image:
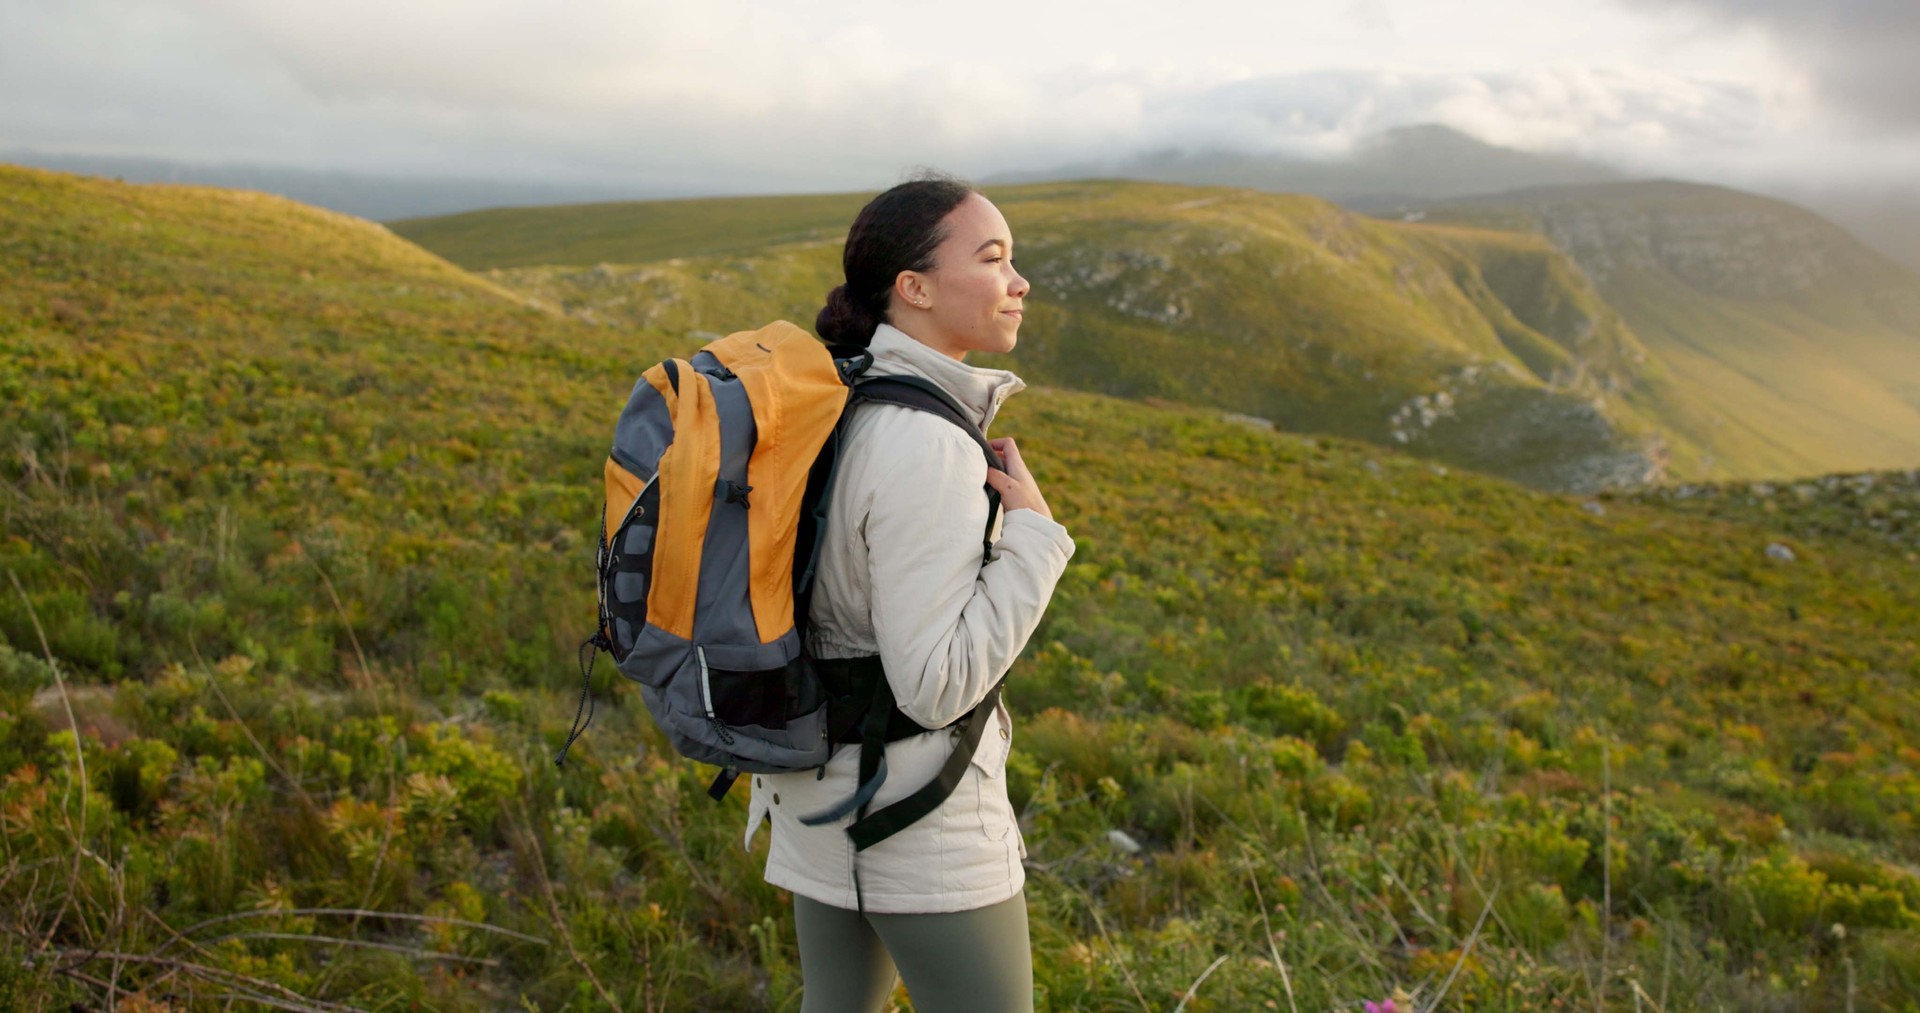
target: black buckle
853 366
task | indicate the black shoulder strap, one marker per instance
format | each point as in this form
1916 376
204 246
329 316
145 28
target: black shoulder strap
926 396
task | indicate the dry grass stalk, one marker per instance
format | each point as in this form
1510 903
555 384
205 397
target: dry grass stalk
531 836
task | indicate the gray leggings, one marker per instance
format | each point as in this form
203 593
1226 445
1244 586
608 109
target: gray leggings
977 961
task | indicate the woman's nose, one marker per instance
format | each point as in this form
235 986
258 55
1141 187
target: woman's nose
1020 286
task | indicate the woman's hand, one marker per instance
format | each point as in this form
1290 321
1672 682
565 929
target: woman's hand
1018 490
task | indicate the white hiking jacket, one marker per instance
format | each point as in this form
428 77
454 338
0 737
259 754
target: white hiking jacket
901 576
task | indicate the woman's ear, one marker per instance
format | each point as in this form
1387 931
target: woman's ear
913 289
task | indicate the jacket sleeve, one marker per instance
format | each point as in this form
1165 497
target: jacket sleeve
949 627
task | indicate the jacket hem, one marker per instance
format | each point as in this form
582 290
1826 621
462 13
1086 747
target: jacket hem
895 903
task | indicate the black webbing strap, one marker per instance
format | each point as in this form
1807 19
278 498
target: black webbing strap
871 829
873 758
723 783
852 685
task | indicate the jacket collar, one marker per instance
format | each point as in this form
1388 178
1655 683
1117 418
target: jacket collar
979 390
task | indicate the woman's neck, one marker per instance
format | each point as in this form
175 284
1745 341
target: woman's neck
921 330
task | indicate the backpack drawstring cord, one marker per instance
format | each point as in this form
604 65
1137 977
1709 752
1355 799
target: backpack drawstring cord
589 654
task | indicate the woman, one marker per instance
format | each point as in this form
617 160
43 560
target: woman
929 278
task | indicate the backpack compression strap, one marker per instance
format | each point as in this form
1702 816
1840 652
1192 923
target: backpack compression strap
869 829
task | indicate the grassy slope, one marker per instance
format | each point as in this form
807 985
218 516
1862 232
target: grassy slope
301 512
625 232
1281 307
1789 348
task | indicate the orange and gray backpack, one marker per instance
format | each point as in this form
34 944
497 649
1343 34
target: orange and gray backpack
717 488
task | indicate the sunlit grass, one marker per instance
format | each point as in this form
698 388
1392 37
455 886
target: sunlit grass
303 516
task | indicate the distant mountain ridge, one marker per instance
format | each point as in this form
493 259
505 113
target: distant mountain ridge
1396 169
1409 167
1717 239
1390 169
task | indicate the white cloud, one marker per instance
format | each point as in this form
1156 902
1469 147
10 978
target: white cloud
1860 55
751 94
1611 114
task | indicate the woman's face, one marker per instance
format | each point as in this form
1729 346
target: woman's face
971 300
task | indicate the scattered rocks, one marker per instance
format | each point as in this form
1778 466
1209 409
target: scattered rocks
1249 420
1779 553
1124 841
1880 507
1594 508
1413 419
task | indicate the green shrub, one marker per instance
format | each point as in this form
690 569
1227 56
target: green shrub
1778 895
479 776
1294 710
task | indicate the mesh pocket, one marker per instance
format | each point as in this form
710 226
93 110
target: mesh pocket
769 698
627 570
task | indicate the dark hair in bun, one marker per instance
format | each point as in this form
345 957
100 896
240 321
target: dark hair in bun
897 231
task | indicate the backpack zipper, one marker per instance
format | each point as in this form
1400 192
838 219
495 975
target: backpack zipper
706 698
706 684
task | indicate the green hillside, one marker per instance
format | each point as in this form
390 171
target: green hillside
1789 348
629 231
1283 308
296 524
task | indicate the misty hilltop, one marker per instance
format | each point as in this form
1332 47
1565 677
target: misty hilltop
1387 169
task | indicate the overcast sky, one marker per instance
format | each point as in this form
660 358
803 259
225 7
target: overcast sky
733 95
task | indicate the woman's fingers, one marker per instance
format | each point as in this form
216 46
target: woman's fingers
1009 451
1015 494
1016 485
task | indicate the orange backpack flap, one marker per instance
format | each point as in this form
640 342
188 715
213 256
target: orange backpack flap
797 394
